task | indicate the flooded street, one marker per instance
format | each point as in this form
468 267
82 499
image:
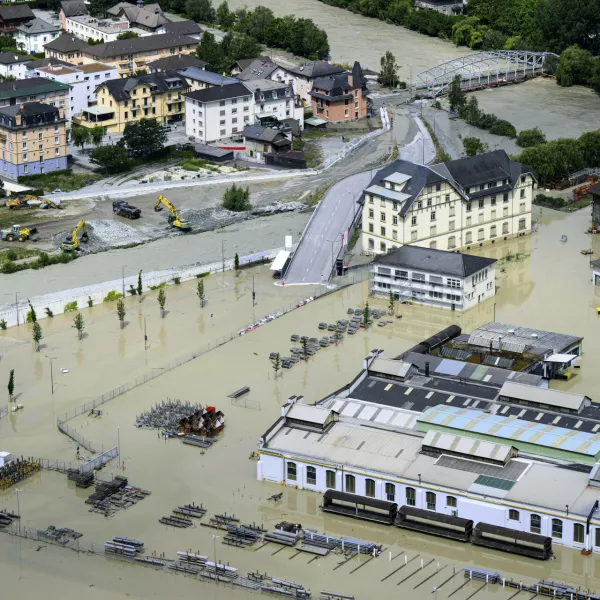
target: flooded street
549 288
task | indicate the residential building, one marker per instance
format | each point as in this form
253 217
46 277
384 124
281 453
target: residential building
274 101
83 79
33 139
462 203
243 63
67 48
71 8
261 140
435 277
36 89
33 35
218 112
122 101
134 54
176 62
189 28
199 79
149 18
340 97
106 30
302 78
257 68
12 15
13 65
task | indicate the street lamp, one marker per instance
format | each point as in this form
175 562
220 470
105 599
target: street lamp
435 591
123 278
17 490
51 358
119 443
17 306
215 537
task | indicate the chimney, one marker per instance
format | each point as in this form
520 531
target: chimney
426 369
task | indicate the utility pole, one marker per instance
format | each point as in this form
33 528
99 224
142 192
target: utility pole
145 336
51 358
123 278
17 306
223 253
119 444
17 490
215 537
253 294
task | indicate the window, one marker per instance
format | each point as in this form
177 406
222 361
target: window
451 501
25 156
410 496
413 220
482 187
513 514
480 235
504 228
394 234
468 237
469 221
370 199
330 479
25 169
371 244
430 500
291 471
468 207
419 204
371 213
535 524
493 231
57 151
382 247
433 245
311 476
451 225
390 492
429 202
451 211
578 533
126 115
350 483
557 527
522 207
522 193
505 198
223 132
24 145
433 215
480 218
418 277
505 211
383 217
453 283
451 242
493 215
413 236
433 230
383 231
522 224
481 203
382 202
597 543
371 228
395 220
370 488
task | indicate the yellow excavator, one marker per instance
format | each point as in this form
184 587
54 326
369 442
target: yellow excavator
21 201
174 219
72 242
16 233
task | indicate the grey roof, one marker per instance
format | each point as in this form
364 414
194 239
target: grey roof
266 85
142 44
37 26
207 76
258 68
207 150
214 94
10 58
150 16
66 43
265 134
176 62
435 261
551 398
114 10
338 85
74 8
30 86
595 189
314 68
32 113
119 88
10 12
183 28
45 62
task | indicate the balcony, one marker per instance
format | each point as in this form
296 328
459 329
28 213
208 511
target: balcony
94 115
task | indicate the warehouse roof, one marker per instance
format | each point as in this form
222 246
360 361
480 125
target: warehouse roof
467 447
386 366
310 414
550 398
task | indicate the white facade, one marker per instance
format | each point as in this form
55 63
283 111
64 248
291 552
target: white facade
17 70
34 41
434 289
302 86
107 30
211 121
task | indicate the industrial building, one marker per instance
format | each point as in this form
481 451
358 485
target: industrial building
484 442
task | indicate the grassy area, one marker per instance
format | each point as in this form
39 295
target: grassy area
195 164
353 239
64 180
16 254
440 154
560 203
10 217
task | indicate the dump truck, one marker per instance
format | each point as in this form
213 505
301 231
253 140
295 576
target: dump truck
16 233
124 209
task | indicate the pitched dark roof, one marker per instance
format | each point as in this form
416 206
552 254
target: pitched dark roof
176 62
207 76
66 43
30 86
338 85
74 8
120 89
142 44
36 26
183 28
435 261
265 134
216 93
259 68
46 62
32 113
314 68
10 12
10 58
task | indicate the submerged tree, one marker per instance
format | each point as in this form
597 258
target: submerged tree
11 385
236 262
121 312
388 72
162 300
456 95
391 303
200 292
79 324
276 361
139 285
36 334
366 315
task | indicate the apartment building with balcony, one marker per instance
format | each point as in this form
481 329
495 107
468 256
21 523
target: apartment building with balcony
67 48
435 277
463 203
36 89
107 30
33 139
274 101
120 101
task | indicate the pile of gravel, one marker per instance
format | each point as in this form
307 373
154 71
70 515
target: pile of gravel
106 234
207 219
278 207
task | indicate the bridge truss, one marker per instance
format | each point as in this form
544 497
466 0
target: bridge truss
482 69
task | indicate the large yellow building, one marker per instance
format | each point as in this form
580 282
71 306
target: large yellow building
121 101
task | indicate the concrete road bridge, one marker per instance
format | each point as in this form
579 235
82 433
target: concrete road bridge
481 70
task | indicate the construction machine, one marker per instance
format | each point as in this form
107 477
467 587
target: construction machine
47 203
21 201
124 209
72 242
16 233
174 219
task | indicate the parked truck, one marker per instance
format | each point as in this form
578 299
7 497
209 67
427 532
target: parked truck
124 209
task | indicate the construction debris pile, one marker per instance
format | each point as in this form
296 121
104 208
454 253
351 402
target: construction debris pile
16 471
110 496
167 415
7 518
62 535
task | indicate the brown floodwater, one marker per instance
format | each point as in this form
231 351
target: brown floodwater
549 287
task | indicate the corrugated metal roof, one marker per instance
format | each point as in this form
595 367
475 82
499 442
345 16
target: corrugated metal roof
512 428
310 414
399 368
378 190
467 446
529 393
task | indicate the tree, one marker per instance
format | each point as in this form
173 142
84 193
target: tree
79 324
200 292
143 138
96 135
575 67
211 52
112 158
2 190
36 334
388 72
225 18
236 199
7 41
531 137
11 385
127 35
456 96
80 136
31 314
304 342
162 300
391 303
3 324
121 312
276 363
200 10
236 262
139 285
366 315
473 146
238 47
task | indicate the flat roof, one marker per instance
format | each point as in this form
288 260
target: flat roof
95 67
387 366
379 190
315 121
518 391
280 260
397 178
98 110
313 414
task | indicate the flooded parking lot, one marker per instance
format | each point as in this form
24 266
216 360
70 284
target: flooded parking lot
544 283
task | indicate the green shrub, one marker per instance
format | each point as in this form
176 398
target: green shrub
70 306
112 296
200 275
176 280
160 286
531 137
3 325
550 201
90 302
11 255
132 290
48 312
29 317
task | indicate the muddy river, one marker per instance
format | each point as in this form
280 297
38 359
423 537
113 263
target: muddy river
548 287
